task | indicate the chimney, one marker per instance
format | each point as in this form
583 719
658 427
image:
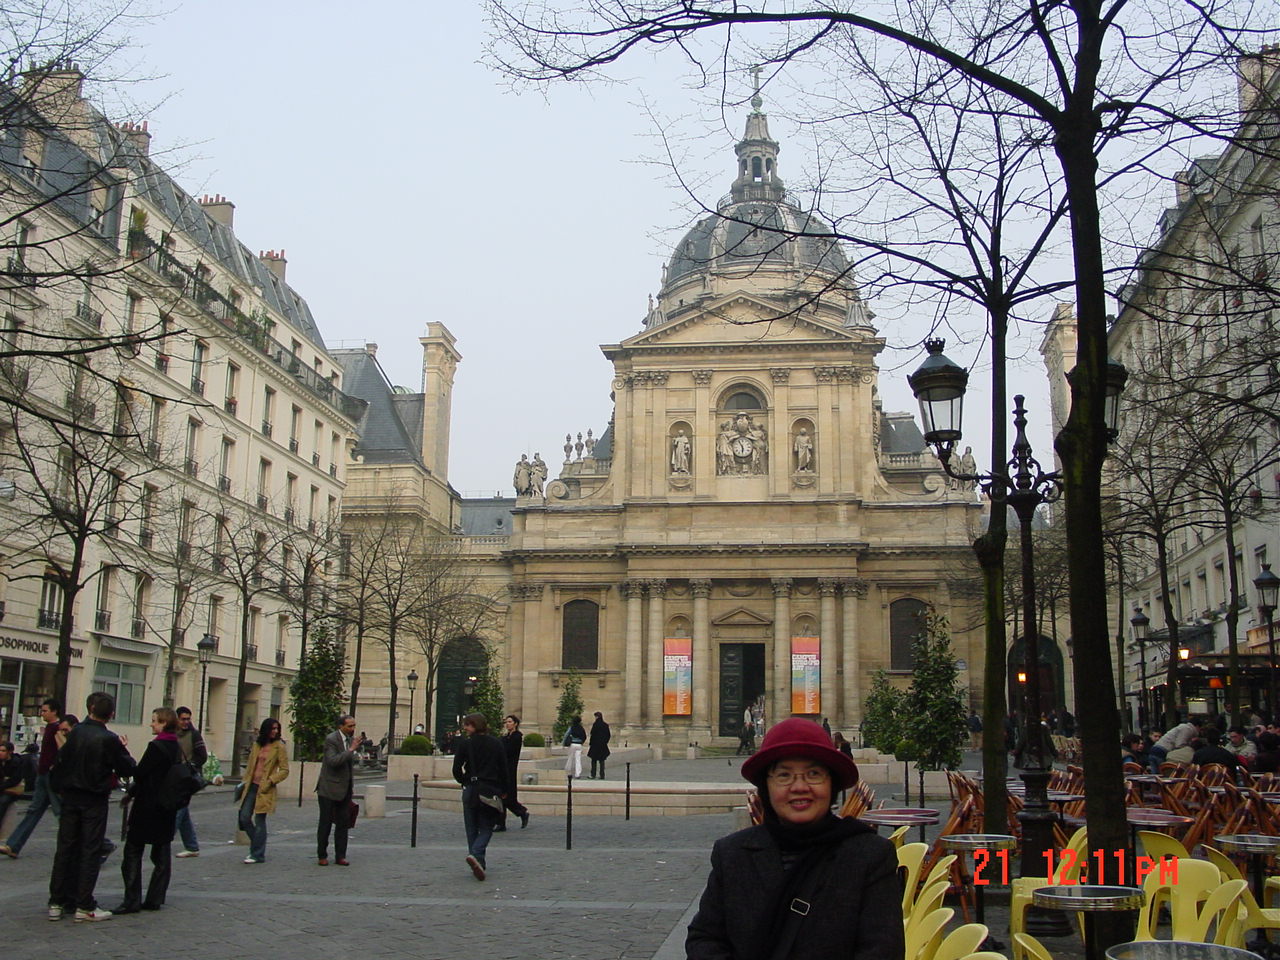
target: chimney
53 89
275 262
136 135
1254 71
219 208
371 349
1182 183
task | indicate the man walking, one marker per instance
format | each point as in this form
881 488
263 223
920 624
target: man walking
193 750
334 787
82 773
42 798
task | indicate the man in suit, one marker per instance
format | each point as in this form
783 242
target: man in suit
334 787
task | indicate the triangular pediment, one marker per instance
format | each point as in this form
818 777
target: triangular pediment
740 316
741 617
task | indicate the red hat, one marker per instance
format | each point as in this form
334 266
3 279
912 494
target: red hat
798 737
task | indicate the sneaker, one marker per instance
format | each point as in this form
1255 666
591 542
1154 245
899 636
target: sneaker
524 819
477 871
55 911
252 860
183 854
8 851
97 913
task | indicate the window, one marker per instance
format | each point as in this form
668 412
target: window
290 496
906 622
193 447
49 616
102 619
295 428
199 356
156 428
580 636
334 442
312 506
230 403
127 683
141 601
215 614
226 464
186 523
264 483
268 409
146 513
742 400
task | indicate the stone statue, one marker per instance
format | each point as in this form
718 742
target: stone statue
759 446
680 453
741 447
968 465
804 451
520 479
724 449
537 475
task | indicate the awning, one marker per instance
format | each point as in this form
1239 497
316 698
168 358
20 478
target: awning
129 646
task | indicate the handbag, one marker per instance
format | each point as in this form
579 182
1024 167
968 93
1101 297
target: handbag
353 812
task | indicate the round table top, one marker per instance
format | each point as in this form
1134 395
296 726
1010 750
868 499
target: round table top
1141 815
897 819
907 811
1177 950
1248 842
979 841
1088 896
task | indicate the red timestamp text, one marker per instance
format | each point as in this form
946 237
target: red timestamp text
1064 868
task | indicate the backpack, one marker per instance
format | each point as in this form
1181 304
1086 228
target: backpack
181 782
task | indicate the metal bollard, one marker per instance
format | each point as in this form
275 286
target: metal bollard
628 816
413 829
302 772
568 816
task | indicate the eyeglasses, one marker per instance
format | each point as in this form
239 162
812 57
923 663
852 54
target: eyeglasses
813 776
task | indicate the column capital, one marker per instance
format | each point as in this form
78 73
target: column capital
827 586
853 586
631 589
657 588
525 591
700 587
782 586
702 377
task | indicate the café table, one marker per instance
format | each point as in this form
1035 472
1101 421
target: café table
1177 950
964 843
1258 846
1150 819
1088 899
902 816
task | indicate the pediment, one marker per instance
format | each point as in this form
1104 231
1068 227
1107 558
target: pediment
740 316
742 617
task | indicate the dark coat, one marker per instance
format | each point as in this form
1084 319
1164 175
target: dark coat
89 762
480 759
512 744
147 822
856 916
337 776
599 740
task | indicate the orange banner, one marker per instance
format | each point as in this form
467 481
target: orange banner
677 677
806 675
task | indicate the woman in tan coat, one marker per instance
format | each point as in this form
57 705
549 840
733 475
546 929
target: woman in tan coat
268 765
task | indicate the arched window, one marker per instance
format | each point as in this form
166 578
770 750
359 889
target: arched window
906 622
742 400
580 639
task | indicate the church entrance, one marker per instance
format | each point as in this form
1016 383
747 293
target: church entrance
741 682
462 663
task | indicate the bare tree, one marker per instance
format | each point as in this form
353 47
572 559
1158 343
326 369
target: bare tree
182 567
307 576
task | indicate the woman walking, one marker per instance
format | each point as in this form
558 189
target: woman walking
268 765
512 743
574 738
480 765
598 745
148 822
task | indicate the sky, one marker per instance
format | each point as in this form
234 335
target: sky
408 182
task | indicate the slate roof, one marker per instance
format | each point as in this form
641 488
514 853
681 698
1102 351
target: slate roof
391 429
899 433
487 516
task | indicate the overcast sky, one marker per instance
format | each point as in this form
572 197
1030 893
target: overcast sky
407 182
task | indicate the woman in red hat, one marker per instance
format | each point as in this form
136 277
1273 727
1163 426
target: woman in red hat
804 884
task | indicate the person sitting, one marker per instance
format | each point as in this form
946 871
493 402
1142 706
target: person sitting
1208 750
1268 758
1131 749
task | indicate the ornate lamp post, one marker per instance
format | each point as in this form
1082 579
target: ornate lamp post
205 649
1024 485
413 685
1140 623
1268 586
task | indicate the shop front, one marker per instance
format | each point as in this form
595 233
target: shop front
27 662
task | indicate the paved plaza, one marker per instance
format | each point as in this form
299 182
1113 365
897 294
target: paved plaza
624 891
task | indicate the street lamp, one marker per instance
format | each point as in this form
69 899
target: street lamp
204 650
413 685
1140 624
1022 484
1268 586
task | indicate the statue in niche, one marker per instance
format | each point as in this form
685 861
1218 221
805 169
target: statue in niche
537 475
742 447
523 475
680 453
965 464
804 451
724 449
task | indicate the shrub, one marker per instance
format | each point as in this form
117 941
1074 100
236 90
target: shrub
416 746
534 740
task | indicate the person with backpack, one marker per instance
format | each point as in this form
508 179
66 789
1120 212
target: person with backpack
193 751
155 797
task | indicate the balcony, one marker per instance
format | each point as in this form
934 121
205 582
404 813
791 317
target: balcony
102 621
79 407
197 386
262 501
288 514
16 375
20 273
280 654
191 468
230 405
218 562
224 484
285 589
333 469
138 628
311 526
293 444
315 459
162 362
88 316
48 619
153 449
251 651
184 550
177 637
256 578
146 538
266 428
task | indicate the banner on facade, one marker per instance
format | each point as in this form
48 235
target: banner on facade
677 677
806 675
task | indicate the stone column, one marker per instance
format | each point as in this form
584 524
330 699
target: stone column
515 662
703 713
653 668
781 706
633 591
828 646
851 680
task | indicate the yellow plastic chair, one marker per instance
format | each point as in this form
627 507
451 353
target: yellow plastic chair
926 935
940 871
961 942
1021 888
911 859
1160 845
986 955
930 899
1220 913
1197 880
1252 916
898 837
1027 947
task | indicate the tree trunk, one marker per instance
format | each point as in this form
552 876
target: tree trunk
355 670
1171 628
241 685
395 689
62 672
1233 615
1120 620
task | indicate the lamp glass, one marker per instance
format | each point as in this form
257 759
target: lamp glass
413 679
205 648
1268 586
1140 622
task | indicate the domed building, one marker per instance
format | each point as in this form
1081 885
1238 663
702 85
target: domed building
751 531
